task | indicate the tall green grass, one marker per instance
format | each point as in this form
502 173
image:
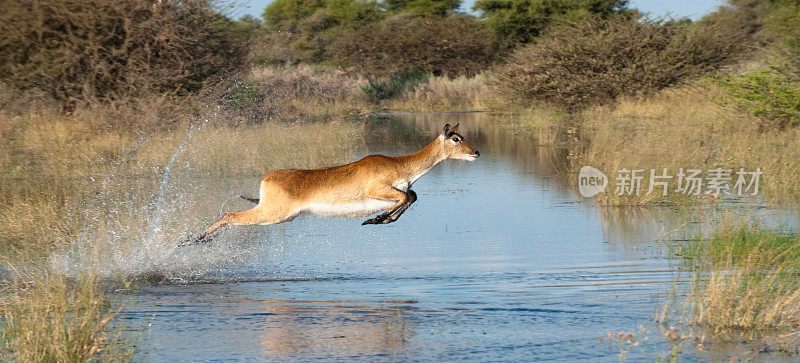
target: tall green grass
745 285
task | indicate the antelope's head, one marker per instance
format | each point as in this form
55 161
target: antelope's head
454 146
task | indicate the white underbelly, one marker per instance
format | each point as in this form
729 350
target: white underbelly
349 209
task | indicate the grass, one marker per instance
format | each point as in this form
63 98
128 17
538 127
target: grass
50 162
676 128
444 94
303 93
745 284
397 83
47 318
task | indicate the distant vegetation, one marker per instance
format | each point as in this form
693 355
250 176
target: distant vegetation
112 49
451 46
572 54
522 21
595 60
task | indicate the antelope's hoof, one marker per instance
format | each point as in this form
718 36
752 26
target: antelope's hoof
375 220
193 240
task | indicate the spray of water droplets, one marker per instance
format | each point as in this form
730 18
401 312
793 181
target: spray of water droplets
139 214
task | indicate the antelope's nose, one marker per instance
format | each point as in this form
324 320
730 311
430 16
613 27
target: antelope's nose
477 153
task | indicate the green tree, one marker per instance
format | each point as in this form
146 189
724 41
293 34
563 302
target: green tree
453 45
292 15
250 23
436 7
520 21
309 26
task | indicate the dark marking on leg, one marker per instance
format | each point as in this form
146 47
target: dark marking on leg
254 200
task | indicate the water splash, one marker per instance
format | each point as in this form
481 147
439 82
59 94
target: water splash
137 217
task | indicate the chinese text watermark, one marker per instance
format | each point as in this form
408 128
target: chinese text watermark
716 182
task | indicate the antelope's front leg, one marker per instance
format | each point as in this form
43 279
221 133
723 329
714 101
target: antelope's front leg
411 198
388 194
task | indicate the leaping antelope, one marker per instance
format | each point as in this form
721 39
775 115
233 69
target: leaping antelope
358 189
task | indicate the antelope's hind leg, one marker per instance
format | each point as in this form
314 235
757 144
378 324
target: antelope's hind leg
263 215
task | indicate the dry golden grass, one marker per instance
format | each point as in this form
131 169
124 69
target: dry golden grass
49 159
303 93
684 128
444 94
50 319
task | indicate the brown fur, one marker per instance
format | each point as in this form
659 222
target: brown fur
349 189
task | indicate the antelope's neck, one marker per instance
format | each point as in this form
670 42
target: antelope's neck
416 165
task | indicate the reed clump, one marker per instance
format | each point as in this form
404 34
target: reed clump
745 283
47 318
684 128
444 94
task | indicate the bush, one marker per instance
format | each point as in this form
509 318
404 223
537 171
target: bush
436 7
302 31
395 86
106 48
521 21
289 15
452 46
597 61
773 95
292 94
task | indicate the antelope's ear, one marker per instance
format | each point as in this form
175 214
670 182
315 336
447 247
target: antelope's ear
446 130
454 129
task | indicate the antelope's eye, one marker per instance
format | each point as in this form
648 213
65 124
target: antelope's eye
455 139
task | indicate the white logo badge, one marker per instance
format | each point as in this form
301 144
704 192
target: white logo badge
591 181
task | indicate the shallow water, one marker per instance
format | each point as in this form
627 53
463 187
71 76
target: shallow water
498 260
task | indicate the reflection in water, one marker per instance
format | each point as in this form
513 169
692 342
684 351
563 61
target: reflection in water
332 328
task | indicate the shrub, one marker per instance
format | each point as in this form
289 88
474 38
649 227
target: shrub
452 46
272 49
773 95
436 7
105 48
598 60
395 86
302 31
289 15
521 21
293 93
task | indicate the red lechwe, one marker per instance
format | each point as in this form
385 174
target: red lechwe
358 189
